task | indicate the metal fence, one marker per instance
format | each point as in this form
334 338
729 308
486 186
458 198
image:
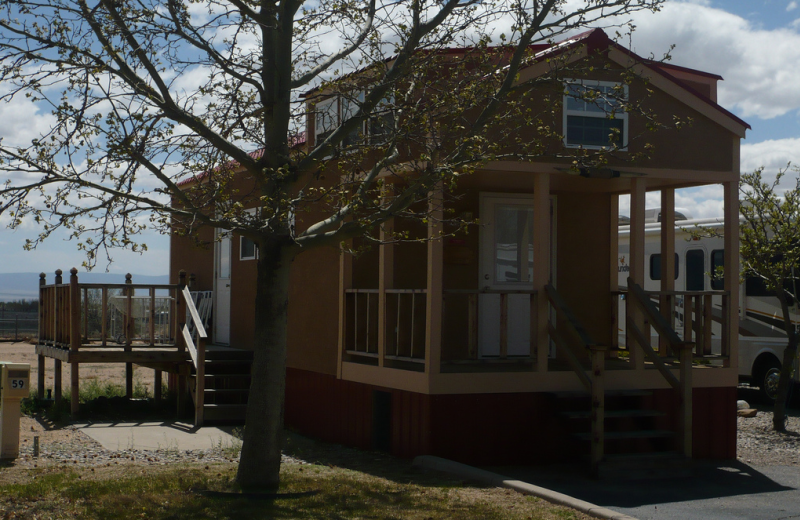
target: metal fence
17 329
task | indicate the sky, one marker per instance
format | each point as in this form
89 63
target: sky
753 44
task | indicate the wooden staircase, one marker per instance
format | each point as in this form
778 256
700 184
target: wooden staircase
227 384
638 441
628 438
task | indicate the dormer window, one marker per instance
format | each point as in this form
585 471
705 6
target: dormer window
594 114
331 112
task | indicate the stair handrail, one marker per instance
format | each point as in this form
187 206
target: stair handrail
594 382
197 352
682 348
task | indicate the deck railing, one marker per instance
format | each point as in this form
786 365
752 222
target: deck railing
106 314
194 338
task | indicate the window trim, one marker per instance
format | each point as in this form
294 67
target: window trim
623 115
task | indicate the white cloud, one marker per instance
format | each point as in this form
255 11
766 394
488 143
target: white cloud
760 79
791 7
771 154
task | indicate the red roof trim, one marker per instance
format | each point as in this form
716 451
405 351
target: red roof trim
297 140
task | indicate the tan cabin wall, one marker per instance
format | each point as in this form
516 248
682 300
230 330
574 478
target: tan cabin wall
583 256
194 258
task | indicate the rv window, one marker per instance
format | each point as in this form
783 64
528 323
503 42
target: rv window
695 270
717 260
655 266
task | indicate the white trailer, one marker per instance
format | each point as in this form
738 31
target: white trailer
762 338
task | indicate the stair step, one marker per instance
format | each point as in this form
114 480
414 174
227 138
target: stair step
668 464
609 393
614 414
632 434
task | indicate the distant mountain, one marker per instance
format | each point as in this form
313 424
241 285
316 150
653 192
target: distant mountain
18 286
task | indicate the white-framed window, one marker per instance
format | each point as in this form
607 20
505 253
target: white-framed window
326 118
248 249
331 112
594 114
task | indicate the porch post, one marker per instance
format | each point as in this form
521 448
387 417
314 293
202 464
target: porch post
637 265
433 309
541 266
385 281
74 338
730 338
667 301
345 282
41 365
129 331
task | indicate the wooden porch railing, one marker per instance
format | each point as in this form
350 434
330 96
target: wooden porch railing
404 334
472 321
594 381
194 338
682 349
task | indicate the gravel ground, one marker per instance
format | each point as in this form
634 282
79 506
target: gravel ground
69 446
759 445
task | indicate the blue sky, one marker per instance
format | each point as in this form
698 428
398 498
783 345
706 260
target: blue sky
753 44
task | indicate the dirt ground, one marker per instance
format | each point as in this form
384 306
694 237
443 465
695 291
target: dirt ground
102 372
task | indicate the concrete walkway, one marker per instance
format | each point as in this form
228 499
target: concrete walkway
157 435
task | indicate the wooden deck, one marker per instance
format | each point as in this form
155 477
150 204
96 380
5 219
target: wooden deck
153 326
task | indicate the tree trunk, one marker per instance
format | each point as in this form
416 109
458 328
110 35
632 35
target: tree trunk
260 462
779 413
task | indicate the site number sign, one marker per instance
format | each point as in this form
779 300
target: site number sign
18 384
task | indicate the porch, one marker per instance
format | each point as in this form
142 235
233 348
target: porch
519 332
158 327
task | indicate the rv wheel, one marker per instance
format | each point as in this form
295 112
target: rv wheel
768 378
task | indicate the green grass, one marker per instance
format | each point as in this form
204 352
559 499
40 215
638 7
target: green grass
306 492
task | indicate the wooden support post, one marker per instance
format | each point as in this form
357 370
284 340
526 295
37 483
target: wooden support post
104 315
685 400
541 267
433 309
157 386
636 264
57 380
42 335
85 335
345 283
151 318
74 338
200 381
129 331
666 302
385 281
614 263
57 304
598 354
731 268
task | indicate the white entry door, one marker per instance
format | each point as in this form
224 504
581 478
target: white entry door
506 264
222 289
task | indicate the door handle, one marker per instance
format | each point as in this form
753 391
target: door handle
227 285
486 277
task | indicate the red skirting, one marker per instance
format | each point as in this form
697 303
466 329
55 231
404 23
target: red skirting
484 429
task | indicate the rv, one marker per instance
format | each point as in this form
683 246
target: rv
762 338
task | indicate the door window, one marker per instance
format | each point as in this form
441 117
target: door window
513 244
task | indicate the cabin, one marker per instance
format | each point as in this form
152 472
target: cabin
501 346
